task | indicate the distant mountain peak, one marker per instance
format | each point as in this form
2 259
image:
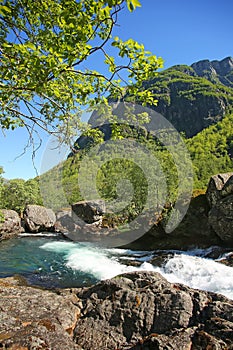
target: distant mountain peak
221 71
194 97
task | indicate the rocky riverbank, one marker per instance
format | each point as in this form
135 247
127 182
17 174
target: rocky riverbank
139 310
209 221
35 219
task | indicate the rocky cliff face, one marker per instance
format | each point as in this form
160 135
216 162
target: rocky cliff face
193 98
216 71
191 111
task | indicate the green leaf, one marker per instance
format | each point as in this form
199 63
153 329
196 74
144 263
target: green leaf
4 9
136 3
132 4
31 46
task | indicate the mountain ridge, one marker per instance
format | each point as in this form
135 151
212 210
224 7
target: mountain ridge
221 70
192 97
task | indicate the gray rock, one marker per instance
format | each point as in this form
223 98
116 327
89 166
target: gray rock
220 197
38 218
221 219
11 226
215 186
63 212
88 211
157 307
215 70
64 222
76 229
141 310
228 187
202 66
36 319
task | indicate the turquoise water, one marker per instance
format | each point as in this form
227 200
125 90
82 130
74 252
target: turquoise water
53 262
25 257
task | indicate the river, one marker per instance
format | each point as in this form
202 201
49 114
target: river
53 262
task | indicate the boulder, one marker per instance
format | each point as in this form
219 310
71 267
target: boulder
64 222
88 211
215 187
38 218
220 197
142 310
221 219
194 231
10 225
228 187
76 229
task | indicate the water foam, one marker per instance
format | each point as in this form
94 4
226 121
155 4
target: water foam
201 273
39 234
89 259
196 272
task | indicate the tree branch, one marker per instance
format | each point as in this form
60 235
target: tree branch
32 118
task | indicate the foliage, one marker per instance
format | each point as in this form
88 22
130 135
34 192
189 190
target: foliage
120 181
210 151
44 49
2 217
17 193
1 184
55 190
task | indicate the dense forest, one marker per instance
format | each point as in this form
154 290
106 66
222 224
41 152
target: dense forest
16 193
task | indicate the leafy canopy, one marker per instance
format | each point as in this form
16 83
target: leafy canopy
17 193
46 47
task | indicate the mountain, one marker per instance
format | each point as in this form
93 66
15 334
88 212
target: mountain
194 97
216 71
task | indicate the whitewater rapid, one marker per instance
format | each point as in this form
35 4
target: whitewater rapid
182 267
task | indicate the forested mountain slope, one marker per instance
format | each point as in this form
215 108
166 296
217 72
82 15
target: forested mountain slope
196 105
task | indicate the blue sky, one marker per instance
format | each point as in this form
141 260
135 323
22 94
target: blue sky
180 31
